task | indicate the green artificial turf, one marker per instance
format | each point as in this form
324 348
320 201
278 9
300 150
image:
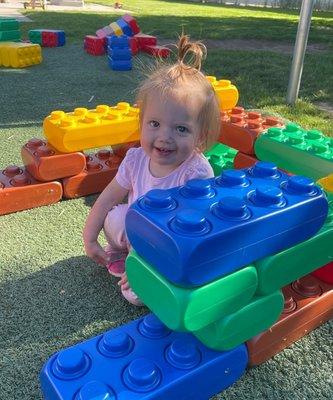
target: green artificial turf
51 295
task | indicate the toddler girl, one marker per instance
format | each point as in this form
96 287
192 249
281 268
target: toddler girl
179 118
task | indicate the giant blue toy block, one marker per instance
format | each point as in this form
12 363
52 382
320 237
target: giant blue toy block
141 360
120 65
120 54
206 229
125 27
118 41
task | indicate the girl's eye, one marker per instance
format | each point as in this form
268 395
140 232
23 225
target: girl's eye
154 124
182 129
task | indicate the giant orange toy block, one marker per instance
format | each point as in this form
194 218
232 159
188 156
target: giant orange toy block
308 304
100 169
20 191
240 131
45 163
85 129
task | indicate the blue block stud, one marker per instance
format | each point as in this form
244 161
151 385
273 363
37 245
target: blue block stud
141 360
209 228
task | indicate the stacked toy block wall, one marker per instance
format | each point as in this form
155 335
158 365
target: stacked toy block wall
47 37
57 167
14 53
124 26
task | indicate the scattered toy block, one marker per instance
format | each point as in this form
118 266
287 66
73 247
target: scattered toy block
226 92
157 51
131 21
241 130
134 45
85 129
309 153
45 163
94 45
145 40
308 304
104 32
185 309
125 27
325 273
20 55
141 360
100 170
221 157
20 191
254 212
230 331
116 29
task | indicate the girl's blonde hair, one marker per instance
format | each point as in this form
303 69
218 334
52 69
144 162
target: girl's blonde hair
184 79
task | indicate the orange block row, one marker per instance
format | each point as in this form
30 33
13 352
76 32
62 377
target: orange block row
49 175
240 129
308 304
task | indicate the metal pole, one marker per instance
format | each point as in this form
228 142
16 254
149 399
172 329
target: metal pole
299 50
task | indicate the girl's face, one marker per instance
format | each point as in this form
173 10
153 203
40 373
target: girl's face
170 132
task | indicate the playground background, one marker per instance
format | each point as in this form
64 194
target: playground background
51 295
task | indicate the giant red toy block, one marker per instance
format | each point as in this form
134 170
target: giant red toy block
325 273
100 170
45 163
242 128
94 45
157 51
49 39
145 40
20 191
133 42
308 304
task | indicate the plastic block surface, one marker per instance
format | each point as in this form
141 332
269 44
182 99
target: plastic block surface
308 304
35 36
123 54
9 24
184 309
100 170
308 153
120 65
45 163
157 51
145 40
116 29
104 32
10 36
236 328
85 129
20 191
241 130
132 23
325 273
49 39
120 42
125 27
141 360
94 45
226 92
210 228
220 157
20 55
298 260
327 184
243 160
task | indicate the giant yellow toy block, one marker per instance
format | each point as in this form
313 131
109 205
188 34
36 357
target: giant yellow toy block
85 129
327 184
116 29
226 92
19 55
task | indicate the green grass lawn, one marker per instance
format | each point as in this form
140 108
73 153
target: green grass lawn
51 295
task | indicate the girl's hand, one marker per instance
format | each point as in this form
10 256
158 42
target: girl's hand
95 252
123 283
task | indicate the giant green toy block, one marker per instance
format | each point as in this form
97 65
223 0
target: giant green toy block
308 153
9 24
185 309
221 157
279 270
236 328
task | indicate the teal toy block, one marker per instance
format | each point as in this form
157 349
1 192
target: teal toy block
9 24
295 150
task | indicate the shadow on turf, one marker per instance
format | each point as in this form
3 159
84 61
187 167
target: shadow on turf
68 301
